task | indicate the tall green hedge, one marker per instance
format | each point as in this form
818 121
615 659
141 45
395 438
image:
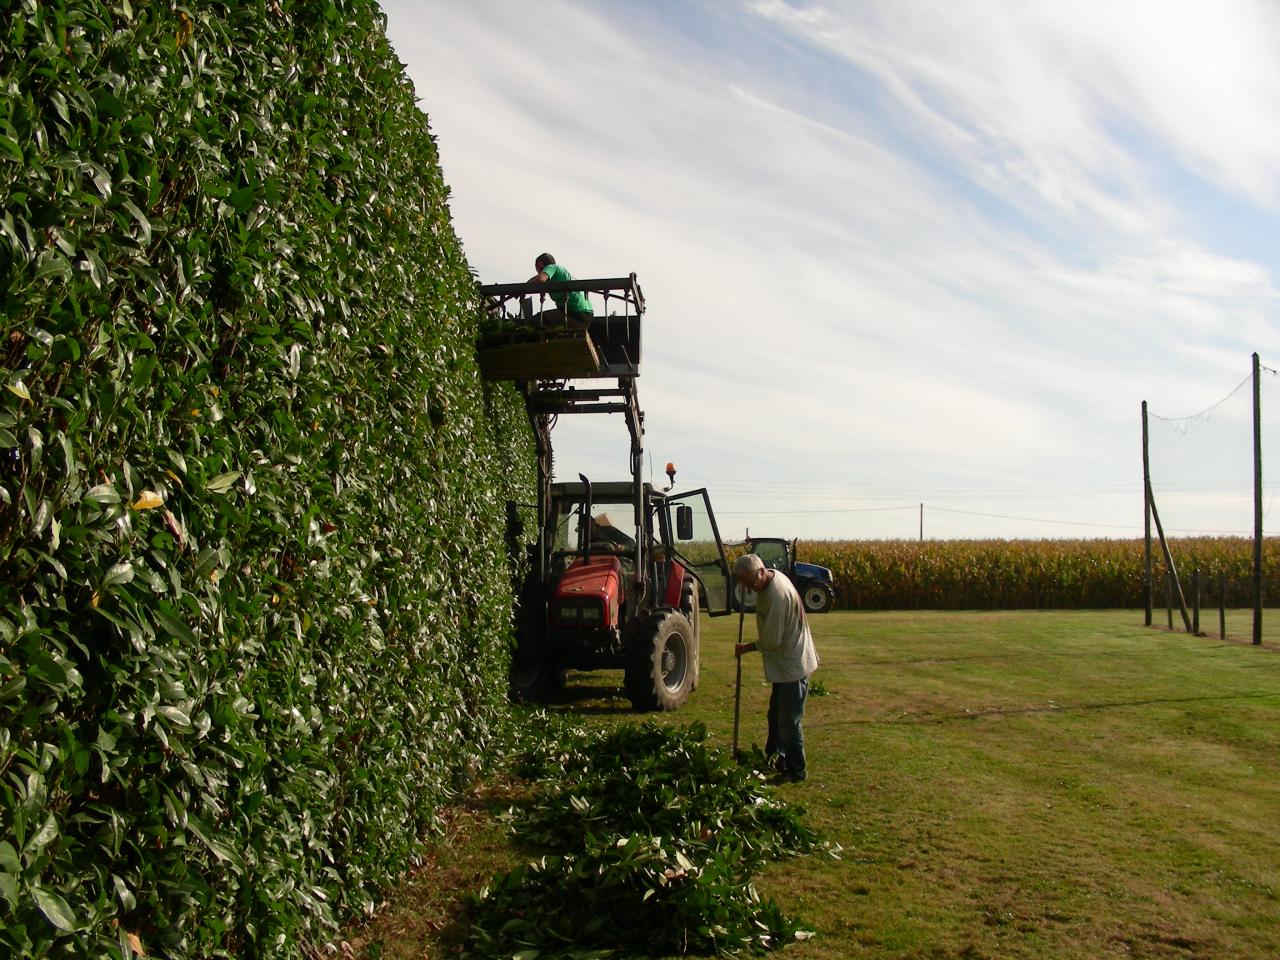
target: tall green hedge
253 596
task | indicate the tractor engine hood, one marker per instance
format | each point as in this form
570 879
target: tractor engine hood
811 571
588 595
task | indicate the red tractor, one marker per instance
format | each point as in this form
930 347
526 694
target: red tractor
619 570
619 583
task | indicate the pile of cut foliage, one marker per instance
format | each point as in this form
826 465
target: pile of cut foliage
649 839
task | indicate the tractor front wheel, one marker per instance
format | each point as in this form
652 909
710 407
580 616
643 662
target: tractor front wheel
817 597
533 679
661 671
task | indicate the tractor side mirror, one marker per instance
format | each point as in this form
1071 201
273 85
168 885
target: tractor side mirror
684 522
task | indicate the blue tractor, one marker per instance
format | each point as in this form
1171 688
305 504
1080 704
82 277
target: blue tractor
812 581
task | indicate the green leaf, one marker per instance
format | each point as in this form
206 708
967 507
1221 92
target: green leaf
176 714
119 573
123 893
9 148
173 626
223 482
221 850
102 493
241 200
54 264
68 455
41 838
144 225
101 180
59 102
54 908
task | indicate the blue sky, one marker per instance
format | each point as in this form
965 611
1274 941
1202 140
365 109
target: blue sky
893 252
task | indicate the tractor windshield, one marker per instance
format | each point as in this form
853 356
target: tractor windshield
774 554
610 527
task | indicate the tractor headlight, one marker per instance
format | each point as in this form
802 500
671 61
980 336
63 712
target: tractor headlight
591 613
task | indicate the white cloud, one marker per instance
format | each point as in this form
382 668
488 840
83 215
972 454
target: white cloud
923 236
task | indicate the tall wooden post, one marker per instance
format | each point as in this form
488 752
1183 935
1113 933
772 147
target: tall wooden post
1148 586
1257 502
922 523
1195 601
1222 606
1169 566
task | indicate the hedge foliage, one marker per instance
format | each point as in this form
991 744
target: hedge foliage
253 594
1033 574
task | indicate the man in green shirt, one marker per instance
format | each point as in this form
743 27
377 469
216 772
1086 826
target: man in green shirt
574 307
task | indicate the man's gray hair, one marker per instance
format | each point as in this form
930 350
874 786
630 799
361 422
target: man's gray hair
748 563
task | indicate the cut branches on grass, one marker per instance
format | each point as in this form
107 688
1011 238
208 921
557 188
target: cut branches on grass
648 839
644 778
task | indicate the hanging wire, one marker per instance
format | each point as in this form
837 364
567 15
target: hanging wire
1182 424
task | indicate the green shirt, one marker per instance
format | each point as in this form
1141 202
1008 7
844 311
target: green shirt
578 302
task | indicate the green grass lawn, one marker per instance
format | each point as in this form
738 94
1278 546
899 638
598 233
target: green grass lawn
1011 784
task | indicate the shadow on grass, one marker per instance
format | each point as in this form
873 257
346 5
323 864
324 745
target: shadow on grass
925 718
593 699
1214 649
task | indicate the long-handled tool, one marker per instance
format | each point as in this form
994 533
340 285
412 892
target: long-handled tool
737 683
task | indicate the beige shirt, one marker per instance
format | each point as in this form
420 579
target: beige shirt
784 641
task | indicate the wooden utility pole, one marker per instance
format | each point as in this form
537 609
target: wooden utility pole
1257 502
922 523
1170 569
1148 586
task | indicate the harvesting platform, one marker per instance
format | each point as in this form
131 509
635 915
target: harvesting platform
528 339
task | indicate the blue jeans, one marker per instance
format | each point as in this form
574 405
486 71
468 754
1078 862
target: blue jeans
786 733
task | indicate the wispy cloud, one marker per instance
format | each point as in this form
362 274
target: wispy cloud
924 247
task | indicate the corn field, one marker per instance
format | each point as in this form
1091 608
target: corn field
1033 574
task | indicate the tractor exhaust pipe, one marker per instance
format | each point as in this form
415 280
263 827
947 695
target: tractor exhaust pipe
585 531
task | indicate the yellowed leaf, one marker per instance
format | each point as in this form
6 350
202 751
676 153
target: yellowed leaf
19 389
184 30
135 944
148 500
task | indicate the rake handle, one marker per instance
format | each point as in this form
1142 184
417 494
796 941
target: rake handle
737 684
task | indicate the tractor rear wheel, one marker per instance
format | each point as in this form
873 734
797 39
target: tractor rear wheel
817 597
661 672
